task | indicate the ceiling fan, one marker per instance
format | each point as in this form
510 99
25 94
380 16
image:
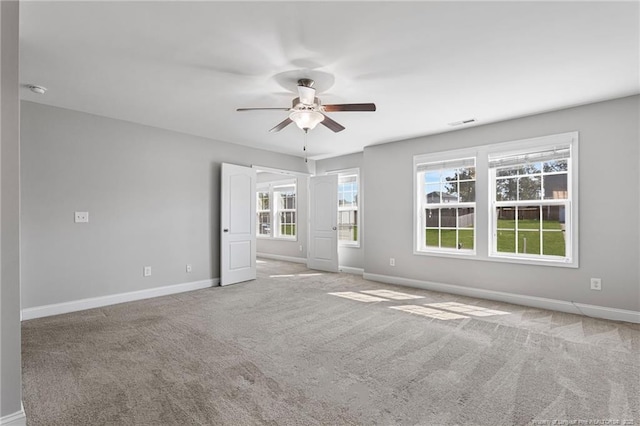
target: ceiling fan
307 111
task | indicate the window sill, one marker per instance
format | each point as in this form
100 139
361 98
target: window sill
472 255
349 245
454 254
560 263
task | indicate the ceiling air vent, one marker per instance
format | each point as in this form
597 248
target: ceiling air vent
463 122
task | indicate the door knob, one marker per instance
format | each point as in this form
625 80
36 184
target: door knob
334 228
225 230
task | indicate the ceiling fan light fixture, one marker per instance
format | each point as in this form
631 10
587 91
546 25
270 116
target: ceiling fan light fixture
306 119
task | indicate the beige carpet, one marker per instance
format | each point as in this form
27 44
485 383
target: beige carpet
283 350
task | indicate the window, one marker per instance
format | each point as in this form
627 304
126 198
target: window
264 213
511 202
276 210
348 208
286 210
446 205
531 203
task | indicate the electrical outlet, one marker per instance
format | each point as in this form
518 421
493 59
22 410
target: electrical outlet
300 247
147 271
596 284
81 217
392 261
188 267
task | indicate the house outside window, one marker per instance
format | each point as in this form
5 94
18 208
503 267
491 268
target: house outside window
446 204
277 210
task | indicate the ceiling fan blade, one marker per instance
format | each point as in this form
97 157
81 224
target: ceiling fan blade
282 125
349 107
336 127
263 109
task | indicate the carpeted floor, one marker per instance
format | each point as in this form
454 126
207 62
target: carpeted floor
283 350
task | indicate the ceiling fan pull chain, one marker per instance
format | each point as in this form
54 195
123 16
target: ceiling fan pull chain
304 148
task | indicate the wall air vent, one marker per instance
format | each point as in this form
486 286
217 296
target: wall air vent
463 122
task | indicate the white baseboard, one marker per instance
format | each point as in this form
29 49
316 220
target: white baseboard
113 299
351 270
16 419
517 299
284 258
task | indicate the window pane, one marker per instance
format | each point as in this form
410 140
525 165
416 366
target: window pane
264 223
432 238
432 177
529 217
287 224
556 166
263 201
531 169
553 217
447 175
507 241
506 189
347 192
432 218
555 187
448 238
348 225
467 192
465 239
447 218
467 173
529 188
506 217
433 193
287 200
529 242
553 243
507 171
465 218
450 192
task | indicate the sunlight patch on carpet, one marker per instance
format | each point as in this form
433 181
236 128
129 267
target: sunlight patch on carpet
359 297
476 311
428 312
394 295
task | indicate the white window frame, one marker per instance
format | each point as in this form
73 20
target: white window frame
274 204
419 220
344 173
529 146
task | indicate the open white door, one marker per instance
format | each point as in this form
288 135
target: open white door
323 223
237 224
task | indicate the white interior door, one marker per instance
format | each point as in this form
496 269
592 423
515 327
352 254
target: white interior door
237 224
323 223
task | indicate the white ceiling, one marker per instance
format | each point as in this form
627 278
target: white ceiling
187 66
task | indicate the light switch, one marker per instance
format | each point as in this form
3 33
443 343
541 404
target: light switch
82 217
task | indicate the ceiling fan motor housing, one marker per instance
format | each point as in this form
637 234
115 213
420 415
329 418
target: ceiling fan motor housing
307 112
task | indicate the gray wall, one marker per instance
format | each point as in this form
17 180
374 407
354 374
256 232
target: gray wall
352 257
10 368
152 197
609 198
288 248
